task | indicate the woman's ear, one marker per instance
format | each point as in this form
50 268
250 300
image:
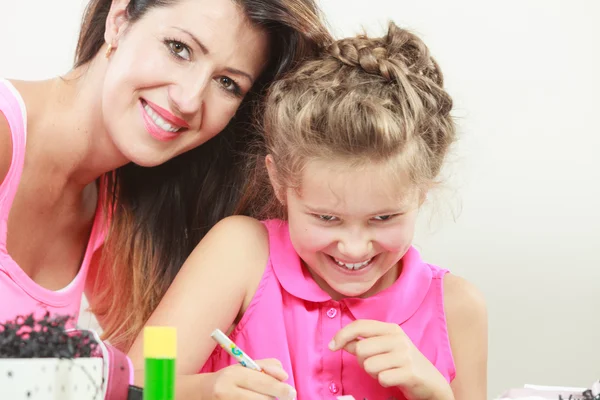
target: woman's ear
116 22
274 178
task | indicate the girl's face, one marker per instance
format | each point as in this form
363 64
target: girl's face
176 77
352 226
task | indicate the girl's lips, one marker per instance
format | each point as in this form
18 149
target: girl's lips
354 272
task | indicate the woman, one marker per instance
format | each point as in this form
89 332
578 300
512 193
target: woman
148 129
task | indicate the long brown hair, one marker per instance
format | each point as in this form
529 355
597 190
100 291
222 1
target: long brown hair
364 100
159 214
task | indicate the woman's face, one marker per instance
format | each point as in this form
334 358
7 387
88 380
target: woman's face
176 77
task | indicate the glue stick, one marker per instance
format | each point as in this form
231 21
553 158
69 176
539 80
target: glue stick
160 352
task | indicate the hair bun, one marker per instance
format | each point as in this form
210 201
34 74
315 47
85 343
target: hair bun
399 50
361 52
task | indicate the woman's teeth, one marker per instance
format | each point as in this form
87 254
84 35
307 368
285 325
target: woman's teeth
159 121
352 266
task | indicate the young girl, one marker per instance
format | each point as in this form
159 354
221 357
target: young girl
335 293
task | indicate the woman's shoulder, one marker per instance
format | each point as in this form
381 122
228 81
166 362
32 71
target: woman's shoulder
22 98
5 135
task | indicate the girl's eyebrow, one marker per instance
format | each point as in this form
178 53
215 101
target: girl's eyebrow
386 211
318 210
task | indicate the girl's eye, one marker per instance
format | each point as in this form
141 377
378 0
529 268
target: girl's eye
179 49
326 218
384 217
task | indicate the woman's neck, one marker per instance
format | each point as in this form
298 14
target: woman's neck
66 134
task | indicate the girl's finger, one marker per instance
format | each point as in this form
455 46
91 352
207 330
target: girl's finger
273 367
364 348
362 328
379 363
265 384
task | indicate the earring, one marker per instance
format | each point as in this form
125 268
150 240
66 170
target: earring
108 50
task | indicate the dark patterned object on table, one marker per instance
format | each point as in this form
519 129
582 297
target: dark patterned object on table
589 394
26 337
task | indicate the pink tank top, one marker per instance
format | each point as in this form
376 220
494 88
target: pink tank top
293 320
19 294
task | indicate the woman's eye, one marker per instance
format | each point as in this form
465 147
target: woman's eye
226 82
179 49
230 85
383 217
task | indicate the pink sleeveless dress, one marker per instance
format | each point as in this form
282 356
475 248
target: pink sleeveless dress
19 294
293 320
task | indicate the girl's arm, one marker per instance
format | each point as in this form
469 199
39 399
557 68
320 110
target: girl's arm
211 289
466 317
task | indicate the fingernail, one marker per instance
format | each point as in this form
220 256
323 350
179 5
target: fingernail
292 394
332 345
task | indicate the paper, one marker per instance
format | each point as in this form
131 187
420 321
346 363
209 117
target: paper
540 392
555 388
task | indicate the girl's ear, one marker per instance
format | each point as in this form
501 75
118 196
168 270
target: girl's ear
274 178
424 196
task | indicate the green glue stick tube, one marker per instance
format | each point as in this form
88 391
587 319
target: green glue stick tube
160 353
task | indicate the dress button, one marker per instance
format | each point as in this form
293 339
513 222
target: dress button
332 312
333 388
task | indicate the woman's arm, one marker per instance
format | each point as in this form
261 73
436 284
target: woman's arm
5 147
466 317
219 276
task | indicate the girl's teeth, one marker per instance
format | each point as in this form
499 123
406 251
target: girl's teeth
352 266
158 120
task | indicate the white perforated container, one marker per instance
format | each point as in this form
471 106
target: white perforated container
51 379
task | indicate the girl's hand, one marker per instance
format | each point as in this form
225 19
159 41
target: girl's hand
240 383
385 352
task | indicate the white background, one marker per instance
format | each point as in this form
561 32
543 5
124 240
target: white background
520 218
